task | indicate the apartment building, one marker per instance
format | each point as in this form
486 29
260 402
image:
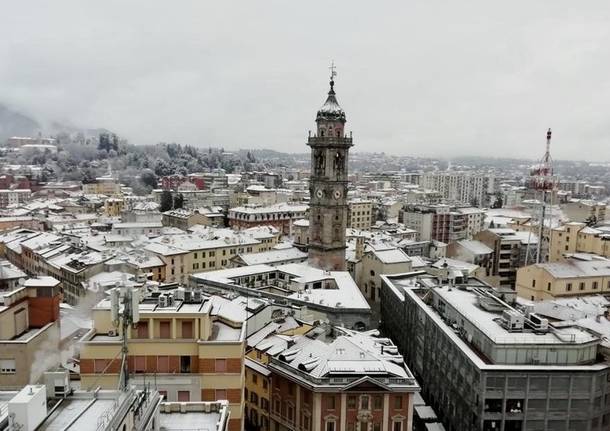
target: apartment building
577 237
584 210
29 331
486 363
281 216
208 249
186 218
379 258
474 220
14 197
180 342
359 214
511 250
183 218
103 186
435 222
135 229
574 277
474 252
466 187
113 207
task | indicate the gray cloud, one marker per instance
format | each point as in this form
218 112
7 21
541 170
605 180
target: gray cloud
420 77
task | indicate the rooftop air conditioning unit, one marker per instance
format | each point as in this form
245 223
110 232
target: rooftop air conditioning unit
512 320
163 301
538 323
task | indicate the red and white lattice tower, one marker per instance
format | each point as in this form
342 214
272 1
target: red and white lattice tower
544 183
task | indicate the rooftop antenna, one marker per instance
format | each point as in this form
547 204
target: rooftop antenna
129 299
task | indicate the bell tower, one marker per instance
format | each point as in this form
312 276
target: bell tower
328 185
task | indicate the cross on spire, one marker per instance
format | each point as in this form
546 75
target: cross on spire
332 68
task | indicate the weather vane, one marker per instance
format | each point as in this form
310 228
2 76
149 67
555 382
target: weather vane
332 68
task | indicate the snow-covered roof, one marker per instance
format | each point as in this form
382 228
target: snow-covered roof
575 268
273 256
392 255
41 281
351 352
342 291
475 247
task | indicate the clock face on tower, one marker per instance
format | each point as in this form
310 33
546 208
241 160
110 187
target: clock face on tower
319 193
337 194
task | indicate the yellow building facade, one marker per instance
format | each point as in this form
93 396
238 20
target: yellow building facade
182 349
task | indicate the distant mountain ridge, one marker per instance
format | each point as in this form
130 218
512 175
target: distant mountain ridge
13 123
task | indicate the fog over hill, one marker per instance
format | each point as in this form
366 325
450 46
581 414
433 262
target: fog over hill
13 123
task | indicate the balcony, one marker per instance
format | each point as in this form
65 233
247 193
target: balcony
329 141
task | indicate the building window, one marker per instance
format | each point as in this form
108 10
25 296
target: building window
254 378
398 402
330 426
351 402
184 396
581 286
220 394
548 286
164 330
195 256
594 285
220 365
185 364
163 364
533 283
142 329
140 364
264 383
330 402
397 426
377 402
7 366
364 402
99 365
569 287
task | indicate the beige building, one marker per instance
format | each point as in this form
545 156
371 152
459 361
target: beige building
184 218
377 259
582 210
103 186
573 277
360 214
577 237
113 207
208 250
180 343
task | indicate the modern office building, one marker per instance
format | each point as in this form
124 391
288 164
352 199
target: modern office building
487 364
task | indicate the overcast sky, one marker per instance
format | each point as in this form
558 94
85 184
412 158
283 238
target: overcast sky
427 78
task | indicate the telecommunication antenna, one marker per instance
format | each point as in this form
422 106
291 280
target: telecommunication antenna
543 180
125 312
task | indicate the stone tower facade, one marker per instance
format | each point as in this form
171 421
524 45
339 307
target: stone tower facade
328 186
